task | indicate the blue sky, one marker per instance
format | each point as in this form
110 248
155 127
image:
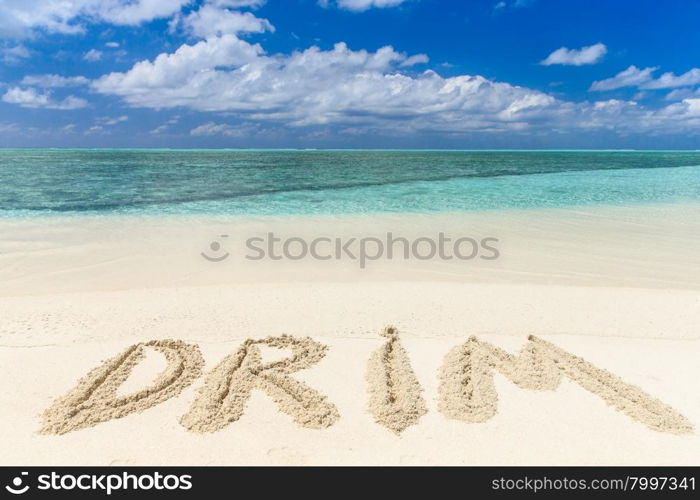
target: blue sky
350 73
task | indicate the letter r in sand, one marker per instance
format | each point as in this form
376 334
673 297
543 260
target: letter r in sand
227 388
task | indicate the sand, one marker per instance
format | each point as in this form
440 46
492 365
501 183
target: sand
468 392
120 344
95 398
223 397
395 398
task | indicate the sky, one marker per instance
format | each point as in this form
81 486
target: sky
469 74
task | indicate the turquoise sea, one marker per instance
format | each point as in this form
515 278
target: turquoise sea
252 182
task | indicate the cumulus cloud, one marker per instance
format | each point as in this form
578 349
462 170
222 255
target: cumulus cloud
317 87
165 126
680 94
631 77
644 79
359 89
54 81
9 128
92 55
576 57
517 4
669 80
236 4
212 128
691 107
112 45
413 60
30 98
349 89
679 117
96 130
213 21
110 121
173 73
14 54
133 12
21 18
362 5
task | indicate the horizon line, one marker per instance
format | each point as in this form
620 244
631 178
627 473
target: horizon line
353 149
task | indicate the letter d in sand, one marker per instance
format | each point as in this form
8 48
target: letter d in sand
95 400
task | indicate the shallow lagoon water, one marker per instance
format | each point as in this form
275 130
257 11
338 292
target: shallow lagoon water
259 182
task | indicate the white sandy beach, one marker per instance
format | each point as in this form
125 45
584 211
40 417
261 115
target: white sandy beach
619 287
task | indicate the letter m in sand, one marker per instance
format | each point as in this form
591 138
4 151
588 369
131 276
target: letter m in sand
468 393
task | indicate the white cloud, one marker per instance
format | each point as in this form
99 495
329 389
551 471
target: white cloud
9 128
172 73
680 94
356 88
165 126
96 129
108 121
133 12
21 18
11 55
686 111
159 129
212 21
212 128
92 55
692 107
517 4
631 77
112 45
362 5
253 4
413 60
30 98
629 117
644 79
669 80
576 57
54 81
317 87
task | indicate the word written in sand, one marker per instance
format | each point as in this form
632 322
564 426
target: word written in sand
466 391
